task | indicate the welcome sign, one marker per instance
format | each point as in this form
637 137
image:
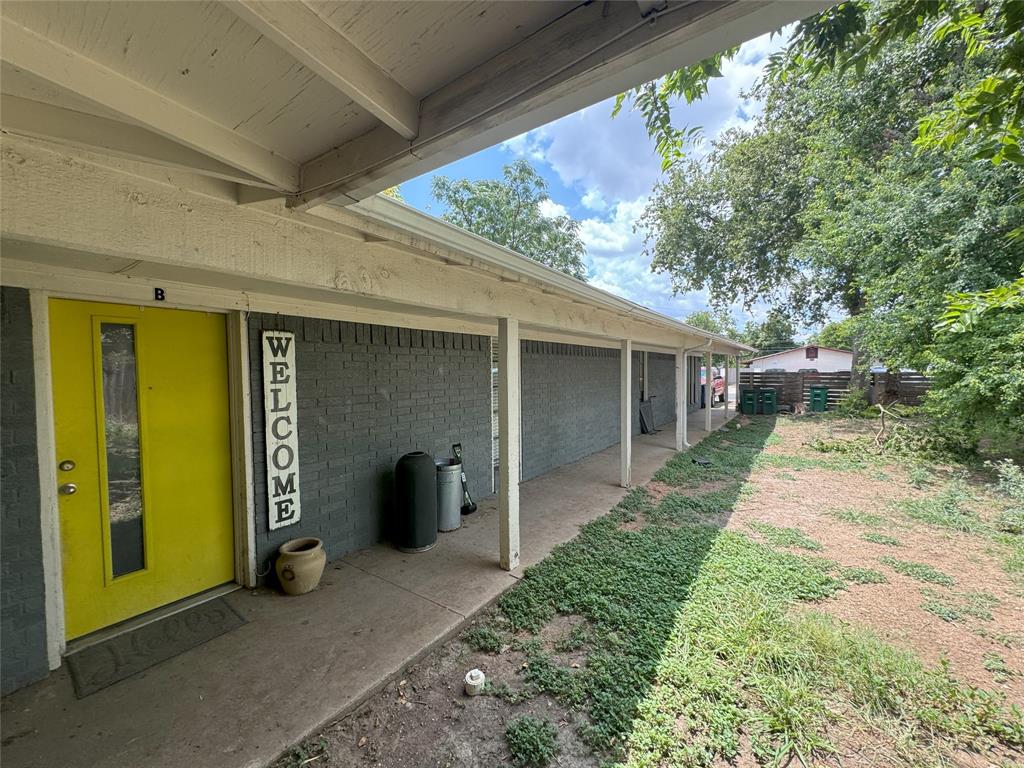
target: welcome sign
280 408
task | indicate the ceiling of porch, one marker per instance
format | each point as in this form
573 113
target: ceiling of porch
323 100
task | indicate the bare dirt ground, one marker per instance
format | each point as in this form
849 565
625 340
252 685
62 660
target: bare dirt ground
423 718
804 499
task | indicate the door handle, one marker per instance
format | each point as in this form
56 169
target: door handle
68 489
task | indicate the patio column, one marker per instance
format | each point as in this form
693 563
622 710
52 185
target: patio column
681 390
736 360
625 413
709 399
725 401
508 442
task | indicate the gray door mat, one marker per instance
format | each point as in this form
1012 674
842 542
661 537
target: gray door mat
94 668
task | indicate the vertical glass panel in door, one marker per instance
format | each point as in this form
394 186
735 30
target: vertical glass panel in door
121 433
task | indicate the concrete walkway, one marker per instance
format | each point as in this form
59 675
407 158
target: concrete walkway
246 696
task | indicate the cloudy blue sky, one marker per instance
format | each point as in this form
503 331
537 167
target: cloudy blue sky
601 171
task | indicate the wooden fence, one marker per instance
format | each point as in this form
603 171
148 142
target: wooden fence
794 388
907 387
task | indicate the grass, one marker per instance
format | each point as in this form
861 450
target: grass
1005 639
949 510
797 463
532 741
483 638
573 640
946 510
919 571
919 476
784 537
305 752
958 606
996 664
858 517
677 508
857 575
695 655
881 538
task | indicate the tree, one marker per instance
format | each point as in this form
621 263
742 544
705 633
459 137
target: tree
713 322
977 369
509 212
849 194
825 205
984 112
773 334
838 334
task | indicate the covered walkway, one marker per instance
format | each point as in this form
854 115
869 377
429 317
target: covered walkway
244 697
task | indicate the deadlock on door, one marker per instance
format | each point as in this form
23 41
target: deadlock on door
67 489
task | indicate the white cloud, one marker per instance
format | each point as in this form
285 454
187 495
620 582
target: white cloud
612 163
610 160
593 200
550 209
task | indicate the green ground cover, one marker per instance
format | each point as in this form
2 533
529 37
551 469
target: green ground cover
696 651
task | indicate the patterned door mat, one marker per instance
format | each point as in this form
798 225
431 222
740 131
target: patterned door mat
94 668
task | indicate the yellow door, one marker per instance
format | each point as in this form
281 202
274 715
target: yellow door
143 457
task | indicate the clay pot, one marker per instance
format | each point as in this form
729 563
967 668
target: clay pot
300 564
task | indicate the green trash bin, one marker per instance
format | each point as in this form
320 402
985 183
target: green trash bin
768 400
819 398
748 401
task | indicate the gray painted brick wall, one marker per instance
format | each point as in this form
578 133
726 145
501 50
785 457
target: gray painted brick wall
22 601
366 395
662 384
570 403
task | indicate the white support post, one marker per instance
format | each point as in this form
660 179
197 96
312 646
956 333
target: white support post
681 391
709 392
725 389
736 360
625 414
508 442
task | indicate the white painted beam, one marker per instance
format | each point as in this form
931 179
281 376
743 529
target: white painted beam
593 52
46 446
267 248
296 28
709 392
625 413
37 120
45 58
725 383
681 385
509 443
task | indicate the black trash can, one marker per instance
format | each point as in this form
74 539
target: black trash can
415 524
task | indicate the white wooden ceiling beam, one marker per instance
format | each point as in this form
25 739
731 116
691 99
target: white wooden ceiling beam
298 30
264 246
589 54
38 120
31 52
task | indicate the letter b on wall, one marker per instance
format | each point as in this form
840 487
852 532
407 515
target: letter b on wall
280 411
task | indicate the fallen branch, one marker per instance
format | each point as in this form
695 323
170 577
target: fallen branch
883 412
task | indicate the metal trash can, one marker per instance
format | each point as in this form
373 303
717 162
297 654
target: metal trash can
415 523
768 400
819 398
748 401
449 494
